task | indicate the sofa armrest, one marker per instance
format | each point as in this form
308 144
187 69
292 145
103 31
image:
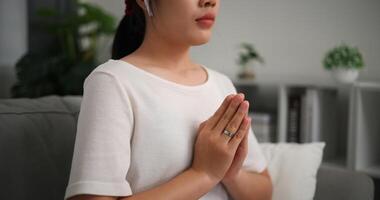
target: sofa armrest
337 183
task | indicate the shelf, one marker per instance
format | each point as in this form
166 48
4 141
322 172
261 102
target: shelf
318 115
367 85
346 117
364 136
262 98
285 81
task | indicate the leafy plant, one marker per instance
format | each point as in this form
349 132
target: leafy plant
343 56
248 53
63 66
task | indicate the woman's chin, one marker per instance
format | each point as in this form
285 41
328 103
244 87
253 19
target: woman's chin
200 43
201 40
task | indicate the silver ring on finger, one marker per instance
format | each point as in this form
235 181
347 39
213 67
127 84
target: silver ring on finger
228 133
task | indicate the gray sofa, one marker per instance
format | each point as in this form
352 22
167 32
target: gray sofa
36 146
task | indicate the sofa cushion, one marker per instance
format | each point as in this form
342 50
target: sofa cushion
293 168
36 145
339 183
73 103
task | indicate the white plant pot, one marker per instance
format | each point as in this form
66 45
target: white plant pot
345 75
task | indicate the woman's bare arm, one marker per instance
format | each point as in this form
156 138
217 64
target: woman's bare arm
190 184
249 185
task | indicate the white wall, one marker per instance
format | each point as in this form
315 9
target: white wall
13 40
13 34
291 35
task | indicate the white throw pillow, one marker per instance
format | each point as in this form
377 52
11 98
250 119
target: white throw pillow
293 168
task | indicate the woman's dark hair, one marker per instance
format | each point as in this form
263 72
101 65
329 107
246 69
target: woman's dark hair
130 32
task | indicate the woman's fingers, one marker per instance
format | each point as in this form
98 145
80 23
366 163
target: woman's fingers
213 120
241 133
212 156
236 121
202 125
229 113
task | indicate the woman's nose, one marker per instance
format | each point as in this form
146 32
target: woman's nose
207 3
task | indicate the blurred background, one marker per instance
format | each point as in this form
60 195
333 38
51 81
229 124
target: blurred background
310 69
292 35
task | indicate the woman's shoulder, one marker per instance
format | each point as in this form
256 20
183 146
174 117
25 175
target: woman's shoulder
220 76
222 80
113 68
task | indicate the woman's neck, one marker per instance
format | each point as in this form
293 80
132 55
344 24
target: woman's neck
165 53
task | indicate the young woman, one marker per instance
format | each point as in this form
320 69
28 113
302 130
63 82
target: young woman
154 124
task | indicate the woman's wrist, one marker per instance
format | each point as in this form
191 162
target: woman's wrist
206 178
231 179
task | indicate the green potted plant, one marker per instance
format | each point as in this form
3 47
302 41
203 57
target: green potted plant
344 62
62 67
247 55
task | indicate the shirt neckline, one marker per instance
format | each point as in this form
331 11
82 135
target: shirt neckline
168 82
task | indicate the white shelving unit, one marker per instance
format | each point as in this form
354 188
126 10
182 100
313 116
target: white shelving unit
364 132
319 118
347 118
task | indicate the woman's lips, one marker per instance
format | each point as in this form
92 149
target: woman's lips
205 23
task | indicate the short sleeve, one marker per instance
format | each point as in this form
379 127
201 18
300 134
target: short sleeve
255 160
101 157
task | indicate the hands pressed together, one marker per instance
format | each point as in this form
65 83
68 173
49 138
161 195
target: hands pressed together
217 154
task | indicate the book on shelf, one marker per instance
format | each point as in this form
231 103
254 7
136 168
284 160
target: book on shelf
294 114
261 125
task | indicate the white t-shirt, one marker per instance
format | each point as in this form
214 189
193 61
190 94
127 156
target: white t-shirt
137 130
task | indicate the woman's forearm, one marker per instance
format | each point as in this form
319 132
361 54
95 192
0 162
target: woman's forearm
250 186
189 185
